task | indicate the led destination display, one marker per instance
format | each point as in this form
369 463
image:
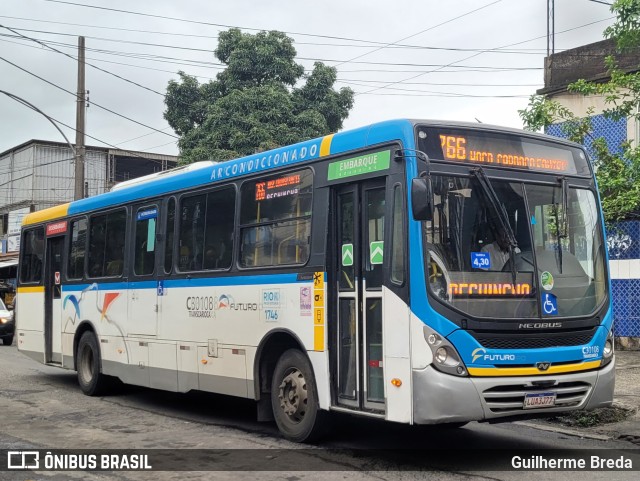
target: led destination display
501 150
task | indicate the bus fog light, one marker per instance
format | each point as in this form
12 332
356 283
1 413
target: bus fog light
460 370
442 355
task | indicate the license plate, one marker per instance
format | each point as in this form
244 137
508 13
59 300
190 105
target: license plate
539 400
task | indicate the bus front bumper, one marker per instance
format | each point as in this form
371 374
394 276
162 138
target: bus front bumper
443 398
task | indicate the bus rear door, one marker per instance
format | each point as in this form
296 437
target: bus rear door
53 292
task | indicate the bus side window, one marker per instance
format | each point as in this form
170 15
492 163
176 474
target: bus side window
191 231
77 248
145 241
168 238
218 239
32 257
206 230
106 244
275 220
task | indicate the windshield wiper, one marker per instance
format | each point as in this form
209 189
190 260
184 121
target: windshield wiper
562 220
500 214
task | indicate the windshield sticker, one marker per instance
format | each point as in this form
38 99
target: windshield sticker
546 279
533 220
481 260
549 304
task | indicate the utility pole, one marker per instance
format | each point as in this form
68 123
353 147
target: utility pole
551 28
551 42
80 115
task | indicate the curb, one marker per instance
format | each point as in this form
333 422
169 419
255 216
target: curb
570 432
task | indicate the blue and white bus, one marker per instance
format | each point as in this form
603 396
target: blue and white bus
415 271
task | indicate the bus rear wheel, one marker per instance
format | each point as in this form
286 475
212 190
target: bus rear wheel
294 399
91 380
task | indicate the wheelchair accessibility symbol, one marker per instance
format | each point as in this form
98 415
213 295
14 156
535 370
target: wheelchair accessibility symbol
549 304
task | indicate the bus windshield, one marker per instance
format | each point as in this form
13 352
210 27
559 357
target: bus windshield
556 268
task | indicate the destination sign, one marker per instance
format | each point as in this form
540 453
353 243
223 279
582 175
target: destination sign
489 284
495 149
278 187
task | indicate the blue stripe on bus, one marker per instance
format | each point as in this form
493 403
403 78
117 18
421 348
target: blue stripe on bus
341 142
193 282
473 353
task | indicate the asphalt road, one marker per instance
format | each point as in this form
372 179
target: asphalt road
43 408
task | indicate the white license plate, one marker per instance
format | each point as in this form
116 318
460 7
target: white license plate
539 400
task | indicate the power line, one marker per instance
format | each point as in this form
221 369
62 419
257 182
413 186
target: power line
209 65
313 59
76 59
600 1
448 84
149 44
211 37
416 34
452 94
470 57
197 22
93 103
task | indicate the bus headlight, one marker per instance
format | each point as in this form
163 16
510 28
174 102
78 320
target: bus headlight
4 320
445 356
609 348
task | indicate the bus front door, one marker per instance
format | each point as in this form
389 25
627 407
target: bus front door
357 282
52 301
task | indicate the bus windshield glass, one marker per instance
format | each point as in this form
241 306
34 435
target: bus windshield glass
551 272
505 150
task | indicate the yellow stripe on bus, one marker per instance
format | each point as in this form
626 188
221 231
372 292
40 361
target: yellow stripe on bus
325 145
45 215
531 371
24 290
318 338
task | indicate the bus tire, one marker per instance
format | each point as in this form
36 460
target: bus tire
88 363
7 341
294 398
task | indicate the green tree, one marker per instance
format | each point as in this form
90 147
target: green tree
257 103
618 173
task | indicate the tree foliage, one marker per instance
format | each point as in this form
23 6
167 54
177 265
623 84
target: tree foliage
262 100
618 173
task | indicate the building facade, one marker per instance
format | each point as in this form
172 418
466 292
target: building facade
39 174
623 239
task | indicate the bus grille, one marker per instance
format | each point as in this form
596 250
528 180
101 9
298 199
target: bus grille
504 399
526 341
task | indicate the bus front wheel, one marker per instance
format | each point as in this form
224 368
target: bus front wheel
91 380
294 398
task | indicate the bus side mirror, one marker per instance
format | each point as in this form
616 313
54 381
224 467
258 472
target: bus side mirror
422 198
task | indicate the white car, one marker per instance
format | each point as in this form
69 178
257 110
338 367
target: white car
7 324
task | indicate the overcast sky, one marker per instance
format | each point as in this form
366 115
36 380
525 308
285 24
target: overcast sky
439 71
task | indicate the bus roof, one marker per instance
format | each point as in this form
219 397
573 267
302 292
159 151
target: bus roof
210 172
261 162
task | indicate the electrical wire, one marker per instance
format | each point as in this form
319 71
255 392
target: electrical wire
92 103
211 37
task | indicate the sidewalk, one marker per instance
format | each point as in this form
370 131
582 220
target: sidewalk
626 395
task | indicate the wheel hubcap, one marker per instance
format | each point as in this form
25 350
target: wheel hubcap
293 395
